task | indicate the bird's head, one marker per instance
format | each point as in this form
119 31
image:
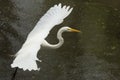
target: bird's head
68 29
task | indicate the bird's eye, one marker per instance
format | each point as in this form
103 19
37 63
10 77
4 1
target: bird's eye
68 29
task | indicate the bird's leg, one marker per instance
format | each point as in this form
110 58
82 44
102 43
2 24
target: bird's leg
14 74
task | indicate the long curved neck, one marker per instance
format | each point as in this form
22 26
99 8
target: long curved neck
59 44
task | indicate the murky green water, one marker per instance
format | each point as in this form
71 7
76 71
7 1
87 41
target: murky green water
93 54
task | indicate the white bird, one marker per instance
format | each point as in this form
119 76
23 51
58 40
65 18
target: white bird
26 57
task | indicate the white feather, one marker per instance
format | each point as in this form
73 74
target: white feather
26 57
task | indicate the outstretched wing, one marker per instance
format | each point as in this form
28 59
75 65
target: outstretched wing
26 57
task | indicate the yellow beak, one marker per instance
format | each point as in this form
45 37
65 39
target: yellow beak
74 30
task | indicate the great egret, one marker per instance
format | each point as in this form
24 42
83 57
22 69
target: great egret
26 57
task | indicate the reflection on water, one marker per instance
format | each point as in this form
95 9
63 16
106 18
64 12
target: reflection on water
91 55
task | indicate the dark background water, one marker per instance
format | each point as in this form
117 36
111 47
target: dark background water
92 55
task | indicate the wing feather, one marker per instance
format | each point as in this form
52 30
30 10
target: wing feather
56 14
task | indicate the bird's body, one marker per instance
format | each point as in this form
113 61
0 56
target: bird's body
26 57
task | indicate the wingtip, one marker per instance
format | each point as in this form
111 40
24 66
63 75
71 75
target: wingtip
70 10
68 7
60 5
59 11
55 5
64 7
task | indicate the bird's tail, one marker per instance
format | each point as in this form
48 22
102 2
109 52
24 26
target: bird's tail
26 60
